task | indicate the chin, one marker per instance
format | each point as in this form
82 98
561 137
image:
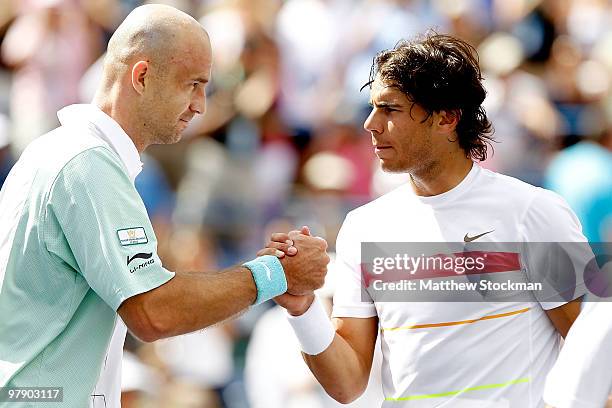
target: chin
389 167
177 138
166 139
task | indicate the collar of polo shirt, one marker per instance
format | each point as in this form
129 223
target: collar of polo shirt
109 131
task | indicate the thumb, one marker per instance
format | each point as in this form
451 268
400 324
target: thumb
306 230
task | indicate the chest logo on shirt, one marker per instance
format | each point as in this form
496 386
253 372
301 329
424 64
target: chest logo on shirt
467 238
132 236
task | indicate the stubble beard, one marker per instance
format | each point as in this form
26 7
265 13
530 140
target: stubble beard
162 131
168 136
398 166
415 164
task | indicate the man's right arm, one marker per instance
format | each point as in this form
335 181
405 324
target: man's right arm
188 302
96 223
193 301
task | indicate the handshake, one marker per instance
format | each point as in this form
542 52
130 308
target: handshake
304 259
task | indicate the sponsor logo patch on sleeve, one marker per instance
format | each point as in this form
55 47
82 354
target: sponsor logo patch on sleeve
132 236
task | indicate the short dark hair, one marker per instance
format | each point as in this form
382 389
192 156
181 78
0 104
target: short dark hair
440 72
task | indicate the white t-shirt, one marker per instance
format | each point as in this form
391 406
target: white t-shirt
582 376
454 358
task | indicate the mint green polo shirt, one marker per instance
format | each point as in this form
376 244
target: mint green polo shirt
75 242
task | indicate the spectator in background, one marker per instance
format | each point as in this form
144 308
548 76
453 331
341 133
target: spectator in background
49 46
139 382
582 174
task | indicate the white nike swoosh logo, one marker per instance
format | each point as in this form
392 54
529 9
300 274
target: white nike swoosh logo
268 271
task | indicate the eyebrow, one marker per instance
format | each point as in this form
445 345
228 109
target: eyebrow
385 104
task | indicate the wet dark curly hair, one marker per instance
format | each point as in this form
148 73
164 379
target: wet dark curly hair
439 72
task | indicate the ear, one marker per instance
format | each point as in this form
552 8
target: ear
139 72
447 120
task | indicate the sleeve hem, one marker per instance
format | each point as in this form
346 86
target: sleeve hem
137 290
554 305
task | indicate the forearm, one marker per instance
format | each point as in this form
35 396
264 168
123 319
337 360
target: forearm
192 301
338 353
340 371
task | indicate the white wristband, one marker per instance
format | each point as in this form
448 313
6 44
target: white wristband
313 329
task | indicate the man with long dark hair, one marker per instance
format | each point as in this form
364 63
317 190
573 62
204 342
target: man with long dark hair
427 120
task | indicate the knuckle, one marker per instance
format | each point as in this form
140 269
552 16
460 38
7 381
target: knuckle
277 245
279 237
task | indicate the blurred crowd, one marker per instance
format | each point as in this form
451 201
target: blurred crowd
282 144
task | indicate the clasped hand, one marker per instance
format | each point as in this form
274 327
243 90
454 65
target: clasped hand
304 259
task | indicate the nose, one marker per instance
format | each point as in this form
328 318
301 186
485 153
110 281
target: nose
372 123
198 100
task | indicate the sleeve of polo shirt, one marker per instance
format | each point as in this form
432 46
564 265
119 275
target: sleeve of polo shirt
557 252
106 226
350 297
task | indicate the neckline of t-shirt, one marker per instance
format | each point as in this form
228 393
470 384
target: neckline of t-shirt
453 193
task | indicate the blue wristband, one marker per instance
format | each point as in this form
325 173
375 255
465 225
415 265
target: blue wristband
269 277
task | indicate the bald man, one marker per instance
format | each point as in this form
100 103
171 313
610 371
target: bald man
78 255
